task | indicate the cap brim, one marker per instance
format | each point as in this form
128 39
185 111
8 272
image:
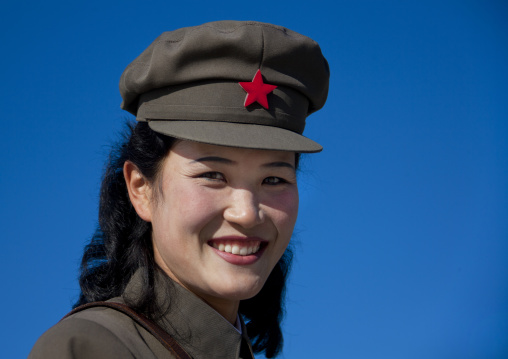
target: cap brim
236 135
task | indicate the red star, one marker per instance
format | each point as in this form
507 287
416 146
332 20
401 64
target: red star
257 90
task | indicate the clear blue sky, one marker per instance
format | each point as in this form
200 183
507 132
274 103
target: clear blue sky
402 241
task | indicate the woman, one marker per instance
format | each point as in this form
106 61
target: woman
199 202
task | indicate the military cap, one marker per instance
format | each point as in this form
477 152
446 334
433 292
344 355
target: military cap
232 83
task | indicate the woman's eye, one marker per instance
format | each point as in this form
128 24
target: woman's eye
274 180
214 176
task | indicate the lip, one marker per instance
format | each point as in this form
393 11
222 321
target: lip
238 259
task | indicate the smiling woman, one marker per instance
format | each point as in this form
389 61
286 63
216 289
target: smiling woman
222 209
198 204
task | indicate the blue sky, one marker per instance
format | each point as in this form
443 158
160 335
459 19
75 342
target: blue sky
402 240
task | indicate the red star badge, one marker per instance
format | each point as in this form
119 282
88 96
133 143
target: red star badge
257 90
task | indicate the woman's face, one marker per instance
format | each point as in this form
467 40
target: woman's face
223 218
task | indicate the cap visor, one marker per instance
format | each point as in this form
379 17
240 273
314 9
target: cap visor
236 135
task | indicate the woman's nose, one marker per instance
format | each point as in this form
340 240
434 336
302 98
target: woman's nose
244 209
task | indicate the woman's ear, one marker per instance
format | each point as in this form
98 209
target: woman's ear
139 190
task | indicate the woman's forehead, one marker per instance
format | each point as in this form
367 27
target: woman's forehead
194 151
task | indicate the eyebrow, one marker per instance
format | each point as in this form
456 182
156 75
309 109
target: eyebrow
279 164
217 159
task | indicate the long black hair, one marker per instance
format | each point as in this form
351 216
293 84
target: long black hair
122 243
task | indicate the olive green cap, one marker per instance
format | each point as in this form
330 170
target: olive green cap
186 84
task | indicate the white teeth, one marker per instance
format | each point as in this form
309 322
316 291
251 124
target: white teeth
236 248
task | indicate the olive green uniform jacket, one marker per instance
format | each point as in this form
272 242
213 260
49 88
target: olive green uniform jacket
101 332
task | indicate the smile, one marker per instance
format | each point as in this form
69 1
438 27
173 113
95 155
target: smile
240 248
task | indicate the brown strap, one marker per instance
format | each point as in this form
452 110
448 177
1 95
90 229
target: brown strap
166 340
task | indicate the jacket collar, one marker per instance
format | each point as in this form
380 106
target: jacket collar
197 327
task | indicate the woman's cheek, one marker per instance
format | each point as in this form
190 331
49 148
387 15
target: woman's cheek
283 211
286 202
198 205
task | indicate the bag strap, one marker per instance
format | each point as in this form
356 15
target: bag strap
160 334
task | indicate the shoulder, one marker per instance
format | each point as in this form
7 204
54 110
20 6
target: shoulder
78 337
93 333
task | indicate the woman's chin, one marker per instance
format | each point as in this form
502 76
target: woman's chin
238 289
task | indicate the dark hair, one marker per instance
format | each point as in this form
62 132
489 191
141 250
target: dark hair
122 243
